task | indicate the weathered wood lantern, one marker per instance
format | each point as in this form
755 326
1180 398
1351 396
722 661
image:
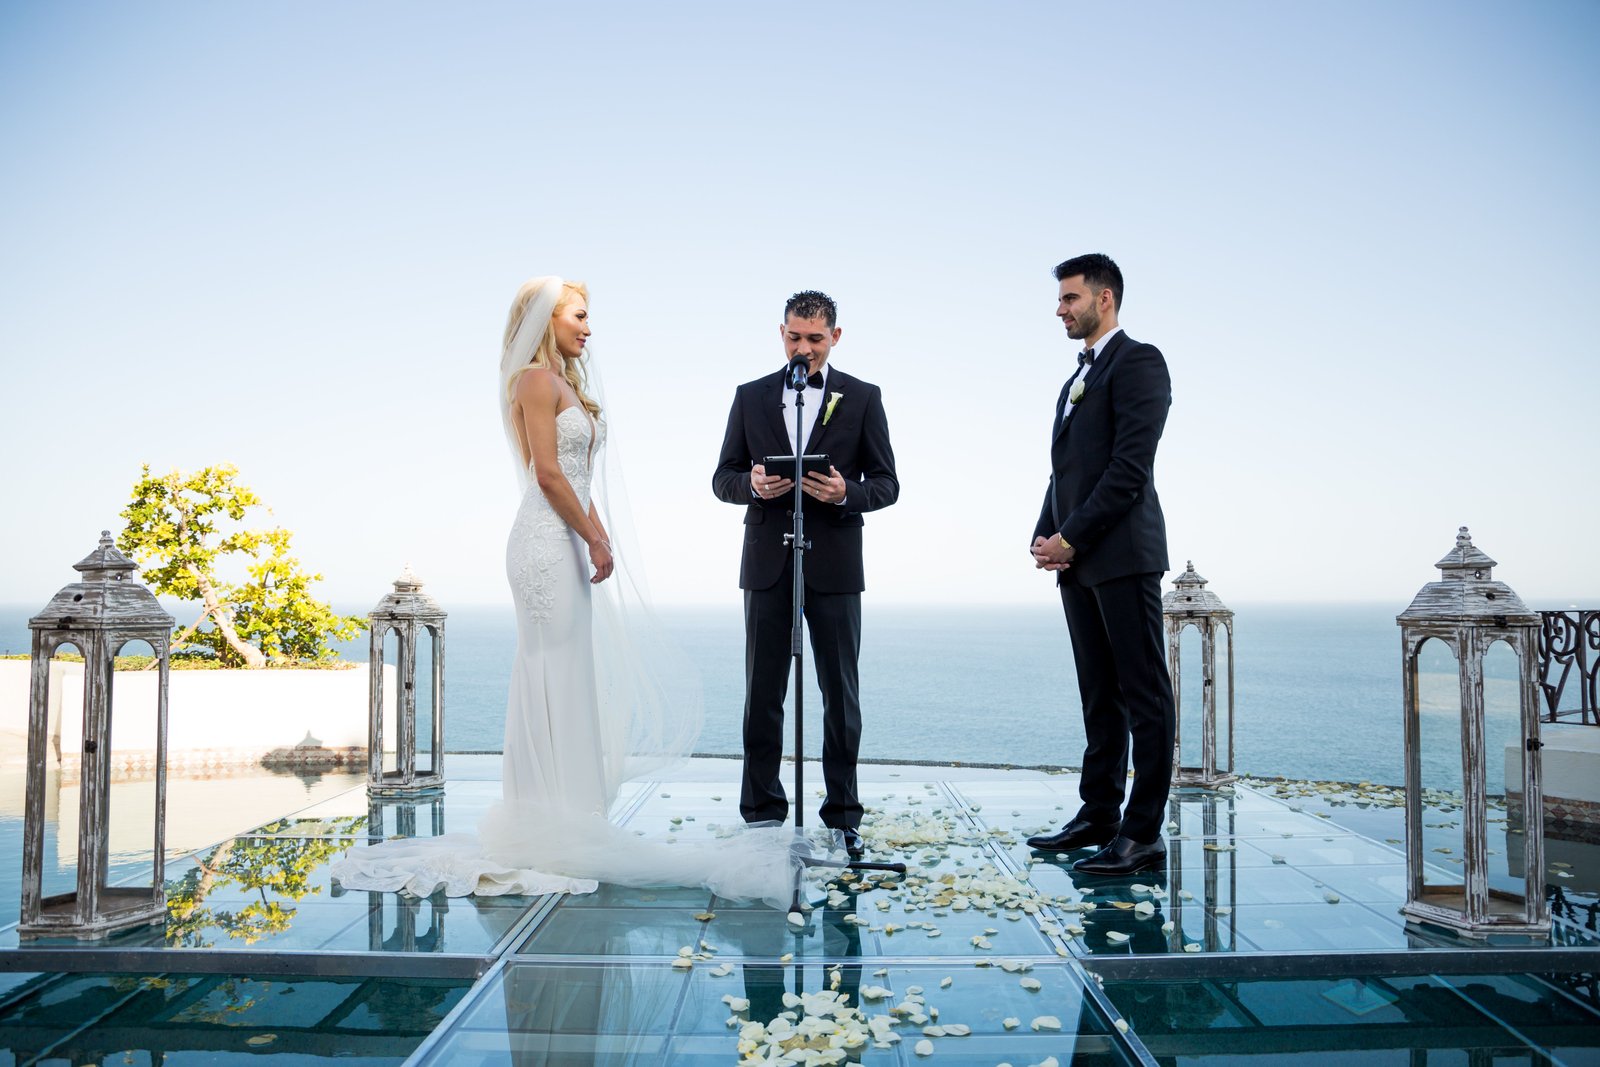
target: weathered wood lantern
1467 611
98 616
409 613
1206 760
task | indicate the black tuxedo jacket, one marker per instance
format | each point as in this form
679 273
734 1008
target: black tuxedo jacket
1102 497
856 440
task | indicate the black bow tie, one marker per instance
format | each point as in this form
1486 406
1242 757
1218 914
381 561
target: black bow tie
815 381
1086 356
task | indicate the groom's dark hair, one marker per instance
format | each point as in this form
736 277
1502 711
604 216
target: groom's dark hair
1099 272
810 304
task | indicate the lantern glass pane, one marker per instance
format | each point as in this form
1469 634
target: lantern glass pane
1503 753
130 827
391 701
1439 751
1224 703
61 778
425 760
1190 693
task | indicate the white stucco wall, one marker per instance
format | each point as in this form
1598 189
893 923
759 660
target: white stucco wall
233 710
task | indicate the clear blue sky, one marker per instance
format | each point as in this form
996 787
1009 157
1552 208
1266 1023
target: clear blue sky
285 236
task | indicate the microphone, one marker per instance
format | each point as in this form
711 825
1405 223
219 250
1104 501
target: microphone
799 371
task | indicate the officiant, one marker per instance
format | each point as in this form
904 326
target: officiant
842 417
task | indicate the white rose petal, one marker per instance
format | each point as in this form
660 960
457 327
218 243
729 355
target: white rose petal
1046 1022
1032 985
736 1003
923 1048
1011 1022
1116 937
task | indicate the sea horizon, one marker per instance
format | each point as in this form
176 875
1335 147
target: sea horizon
1318 692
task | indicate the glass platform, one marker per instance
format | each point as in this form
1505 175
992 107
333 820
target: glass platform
1272 936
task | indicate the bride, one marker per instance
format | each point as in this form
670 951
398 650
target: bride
585 711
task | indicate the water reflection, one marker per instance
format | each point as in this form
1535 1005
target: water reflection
418 922
244 887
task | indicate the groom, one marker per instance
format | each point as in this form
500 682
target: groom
843 418
1101 530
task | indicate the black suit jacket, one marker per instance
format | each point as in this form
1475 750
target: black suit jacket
856 440
1102 496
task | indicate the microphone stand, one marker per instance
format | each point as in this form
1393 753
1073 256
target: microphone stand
796 539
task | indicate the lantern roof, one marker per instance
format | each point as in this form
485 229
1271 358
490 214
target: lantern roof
1466 592
107 597
1190 596
408 601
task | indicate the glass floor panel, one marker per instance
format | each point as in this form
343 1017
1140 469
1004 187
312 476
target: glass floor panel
146 1018
591 978
651 1013
1499 1019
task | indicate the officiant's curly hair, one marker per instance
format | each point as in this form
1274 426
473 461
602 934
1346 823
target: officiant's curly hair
810 304
546 355
1099 272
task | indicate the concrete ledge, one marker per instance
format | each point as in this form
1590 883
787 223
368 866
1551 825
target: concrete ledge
1571 772
214 718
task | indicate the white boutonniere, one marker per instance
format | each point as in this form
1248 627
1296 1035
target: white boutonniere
833 402
1075 394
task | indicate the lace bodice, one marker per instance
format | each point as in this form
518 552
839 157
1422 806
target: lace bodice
575 448
539 537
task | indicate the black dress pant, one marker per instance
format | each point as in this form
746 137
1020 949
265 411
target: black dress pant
1120 654
834 621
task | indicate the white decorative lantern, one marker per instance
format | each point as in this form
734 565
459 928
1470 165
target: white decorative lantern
1467 611
1206 760
408 613
98 616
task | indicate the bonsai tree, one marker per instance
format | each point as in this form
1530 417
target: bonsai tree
181 527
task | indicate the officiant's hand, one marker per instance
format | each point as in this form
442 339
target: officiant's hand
766 486
828 488
600 557
1052 554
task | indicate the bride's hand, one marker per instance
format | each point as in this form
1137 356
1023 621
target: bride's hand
600 557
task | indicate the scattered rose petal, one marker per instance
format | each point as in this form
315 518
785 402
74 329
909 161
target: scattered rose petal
1046 1022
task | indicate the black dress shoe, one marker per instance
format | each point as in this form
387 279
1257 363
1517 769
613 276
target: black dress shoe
1124 856
1078 833
854 846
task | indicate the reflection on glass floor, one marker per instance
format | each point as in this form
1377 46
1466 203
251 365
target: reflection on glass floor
987 951
178 1018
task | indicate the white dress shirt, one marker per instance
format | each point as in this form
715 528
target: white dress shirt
1083 369
816 399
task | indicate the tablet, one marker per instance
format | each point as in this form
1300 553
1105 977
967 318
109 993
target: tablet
783 466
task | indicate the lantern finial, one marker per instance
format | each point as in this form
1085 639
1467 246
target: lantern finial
408 582
1466 560
105 563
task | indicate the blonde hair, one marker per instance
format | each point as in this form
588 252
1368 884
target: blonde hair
545 354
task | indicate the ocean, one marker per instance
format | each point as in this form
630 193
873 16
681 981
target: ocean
1318 687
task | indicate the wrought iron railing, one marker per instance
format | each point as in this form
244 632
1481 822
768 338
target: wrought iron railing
1569 665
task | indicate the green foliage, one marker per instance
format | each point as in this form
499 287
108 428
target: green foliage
182 527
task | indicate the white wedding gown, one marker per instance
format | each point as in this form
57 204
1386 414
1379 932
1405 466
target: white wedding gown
566 748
